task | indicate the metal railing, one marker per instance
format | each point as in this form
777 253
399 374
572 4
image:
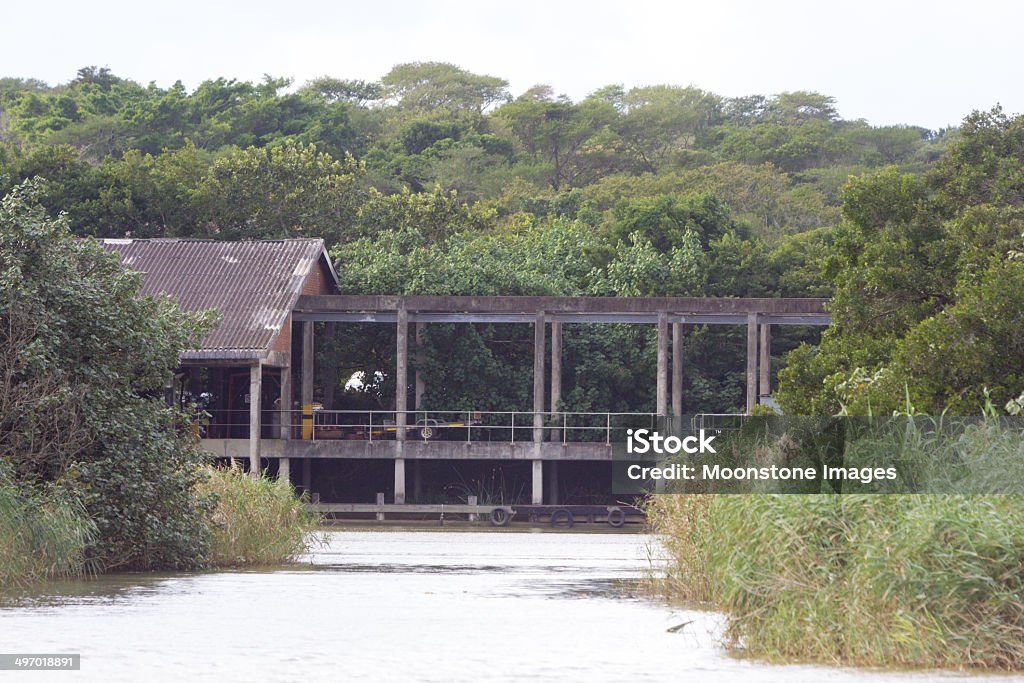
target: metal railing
429 425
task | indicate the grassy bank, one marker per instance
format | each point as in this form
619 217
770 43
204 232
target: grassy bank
896 580
250 523
41 537
256 522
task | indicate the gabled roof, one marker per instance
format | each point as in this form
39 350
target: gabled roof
254 285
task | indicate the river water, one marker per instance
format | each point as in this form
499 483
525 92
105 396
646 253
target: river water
442 606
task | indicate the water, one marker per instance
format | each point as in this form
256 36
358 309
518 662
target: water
398 606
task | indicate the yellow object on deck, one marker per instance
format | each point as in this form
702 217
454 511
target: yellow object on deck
308 410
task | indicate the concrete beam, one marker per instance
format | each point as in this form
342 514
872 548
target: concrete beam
413 450
556 304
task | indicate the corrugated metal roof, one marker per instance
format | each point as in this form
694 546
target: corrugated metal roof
253 284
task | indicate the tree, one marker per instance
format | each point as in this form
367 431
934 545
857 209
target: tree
927 296
286 191
426 86
85 359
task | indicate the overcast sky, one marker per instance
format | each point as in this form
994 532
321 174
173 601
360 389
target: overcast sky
884 61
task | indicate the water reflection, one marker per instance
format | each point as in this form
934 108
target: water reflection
396 605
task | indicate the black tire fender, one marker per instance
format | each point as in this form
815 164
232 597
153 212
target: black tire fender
500 517
616 517
564 513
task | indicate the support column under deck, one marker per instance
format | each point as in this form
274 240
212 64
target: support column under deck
751 362
556 377
677 369
662 402
255 392
306 392
537 493
283 464
401 400
765 364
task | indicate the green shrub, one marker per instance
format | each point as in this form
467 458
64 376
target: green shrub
256 522
41 537
880 580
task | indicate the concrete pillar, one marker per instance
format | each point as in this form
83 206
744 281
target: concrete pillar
255 392
537 492
662 404
751 362
283 466
308 356
306 388
538 378
556 375
677 369
400 480
537 497
421 357
401 400
765 363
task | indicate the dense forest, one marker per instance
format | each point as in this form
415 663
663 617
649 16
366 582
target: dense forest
438 180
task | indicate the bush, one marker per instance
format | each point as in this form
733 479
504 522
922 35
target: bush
931 580
256 522
41 537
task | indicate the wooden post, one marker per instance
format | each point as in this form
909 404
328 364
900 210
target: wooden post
662 405
380 501
472 515
538 408
751 362
765 364
401 400
283 464
556 376
255 392
677 369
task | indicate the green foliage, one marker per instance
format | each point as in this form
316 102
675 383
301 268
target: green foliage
927 292
924 581
255 522
41 536
84 362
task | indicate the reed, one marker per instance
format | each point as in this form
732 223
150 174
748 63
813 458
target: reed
41 536
927 580
256 522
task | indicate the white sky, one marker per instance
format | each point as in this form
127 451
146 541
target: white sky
886 61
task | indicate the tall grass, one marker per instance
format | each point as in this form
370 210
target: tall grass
41 536
256 522
933 580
